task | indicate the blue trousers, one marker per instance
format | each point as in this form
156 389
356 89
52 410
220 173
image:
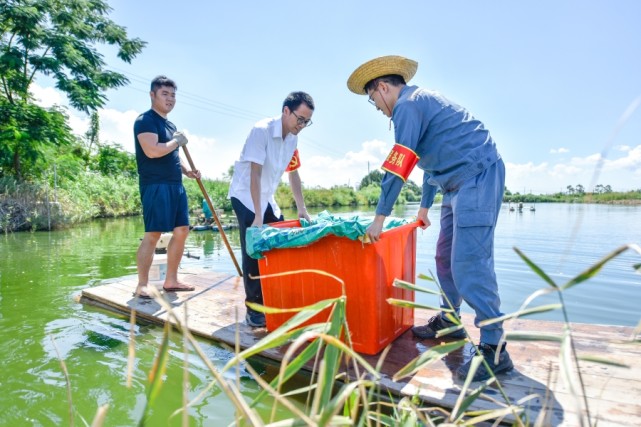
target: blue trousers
465 248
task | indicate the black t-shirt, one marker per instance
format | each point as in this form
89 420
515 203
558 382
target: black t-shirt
160 170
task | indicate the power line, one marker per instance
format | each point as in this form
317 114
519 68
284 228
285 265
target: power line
238 112
224 109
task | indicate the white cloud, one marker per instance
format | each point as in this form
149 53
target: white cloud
631 162
325 171
117 126
559 150
213 158
47 96
209 156
588 161
622 173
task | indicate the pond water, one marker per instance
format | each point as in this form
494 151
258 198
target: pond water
41 324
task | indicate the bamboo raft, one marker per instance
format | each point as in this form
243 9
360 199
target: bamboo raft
613 393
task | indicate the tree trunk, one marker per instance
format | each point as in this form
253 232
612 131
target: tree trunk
16 164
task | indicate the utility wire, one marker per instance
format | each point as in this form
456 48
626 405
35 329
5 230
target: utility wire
223 109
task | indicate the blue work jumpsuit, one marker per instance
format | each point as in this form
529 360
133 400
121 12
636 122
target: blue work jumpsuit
459 157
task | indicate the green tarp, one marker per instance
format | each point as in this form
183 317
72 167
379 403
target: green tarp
259 240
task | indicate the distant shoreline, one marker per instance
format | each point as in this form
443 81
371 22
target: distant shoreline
623 202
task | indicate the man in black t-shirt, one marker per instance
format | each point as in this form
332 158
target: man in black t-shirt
160 170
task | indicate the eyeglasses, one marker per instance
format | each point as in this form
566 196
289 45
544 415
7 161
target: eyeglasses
301 121
370 100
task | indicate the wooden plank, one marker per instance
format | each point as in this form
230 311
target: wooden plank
216 311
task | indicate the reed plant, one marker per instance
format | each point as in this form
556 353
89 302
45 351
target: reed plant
27 206
344 389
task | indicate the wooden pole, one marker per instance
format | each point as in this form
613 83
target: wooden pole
213 211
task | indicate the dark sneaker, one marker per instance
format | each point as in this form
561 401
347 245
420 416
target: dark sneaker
504 364
255 319
435 324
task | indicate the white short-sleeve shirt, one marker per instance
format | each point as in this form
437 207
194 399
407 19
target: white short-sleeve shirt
264 146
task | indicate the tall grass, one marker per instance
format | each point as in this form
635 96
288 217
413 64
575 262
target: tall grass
47 206
333 398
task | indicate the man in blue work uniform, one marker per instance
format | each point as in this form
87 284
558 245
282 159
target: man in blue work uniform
459 157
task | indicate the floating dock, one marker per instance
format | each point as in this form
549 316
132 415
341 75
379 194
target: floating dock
613 392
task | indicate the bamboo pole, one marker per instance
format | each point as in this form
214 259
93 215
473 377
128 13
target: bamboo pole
213 211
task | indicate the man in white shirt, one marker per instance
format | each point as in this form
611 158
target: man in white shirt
269 151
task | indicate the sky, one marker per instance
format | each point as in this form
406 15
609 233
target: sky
557 83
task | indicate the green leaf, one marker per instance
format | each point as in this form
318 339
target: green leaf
289 370
398 283
410 304
157 373
493 415
432 355
273 340
332 355
603 361
522 313
592 271
536 269
424 277
532 336
346 397
350 409
466 399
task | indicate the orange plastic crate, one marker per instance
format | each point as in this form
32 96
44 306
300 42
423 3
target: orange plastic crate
368 271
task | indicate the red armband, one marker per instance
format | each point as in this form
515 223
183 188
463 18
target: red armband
400 161
294 163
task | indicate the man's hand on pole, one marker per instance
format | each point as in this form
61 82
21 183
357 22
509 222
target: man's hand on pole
193 174
180 139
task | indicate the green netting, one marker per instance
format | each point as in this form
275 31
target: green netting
259 240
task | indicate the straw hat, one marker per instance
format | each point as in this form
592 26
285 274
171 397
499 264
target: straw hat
378 67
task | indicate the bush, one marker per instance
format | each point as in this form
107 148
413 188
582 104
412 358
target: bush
369 195
24 206
216 190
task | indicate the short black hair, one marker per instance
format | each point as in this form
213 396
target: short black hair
294 100
393 79
160 81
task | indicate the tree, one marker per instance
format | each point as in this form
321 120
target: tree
55 38
114 160
570 189
579 189
374 177
411 192
92 136
26 131
229 174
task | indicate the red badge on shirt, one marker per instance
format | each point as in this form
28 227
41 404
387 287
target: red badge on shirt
400 161
294 163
